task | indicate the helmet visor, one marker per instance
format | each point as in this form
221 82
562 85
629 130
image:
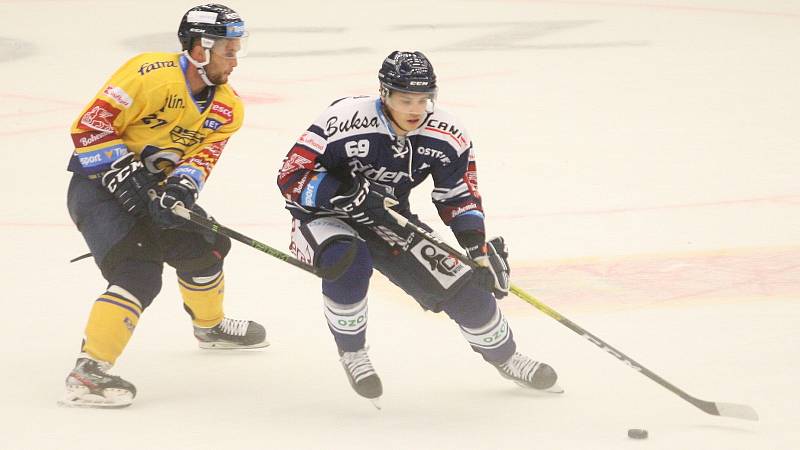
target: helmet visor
410 102
228 48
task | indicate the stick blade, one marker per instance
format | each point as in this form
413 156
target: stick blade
737 411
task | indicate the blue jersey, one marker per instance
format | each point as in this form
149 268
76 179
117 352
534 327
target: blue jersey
354 135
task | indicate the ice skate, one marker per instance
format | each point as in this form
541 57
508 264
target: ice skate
530 374
362 375
89 385
231 334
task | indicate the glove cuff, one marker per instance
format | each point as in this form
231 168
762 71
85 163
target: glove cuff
473 241
183 189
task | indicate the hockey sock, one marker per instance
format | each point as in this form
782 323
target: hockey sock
482 323
348 323
111 323
345 299
202 297
493 340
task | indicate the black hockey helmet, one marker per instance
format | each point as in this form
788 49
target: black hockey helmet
213 21
407 72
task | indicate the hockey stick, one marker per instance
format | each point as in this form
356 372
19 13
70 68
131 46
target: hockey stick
329 273
733 410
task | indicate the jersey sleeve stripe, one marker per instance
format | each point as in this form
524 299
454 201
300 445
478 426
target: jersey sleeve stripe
444 194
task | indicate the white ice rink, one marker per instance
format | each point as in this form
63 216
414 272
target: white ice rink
641 157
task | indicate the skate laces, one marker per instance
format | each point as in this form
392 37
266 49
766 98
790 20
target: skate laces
358 364
520 366
234 327
92 373
99 366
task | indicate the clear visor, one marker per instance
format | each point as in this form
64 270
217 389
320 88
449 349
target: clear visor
228 48
410 102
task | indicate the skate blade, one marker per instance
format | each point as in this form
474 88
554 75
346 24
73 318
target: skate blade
376 402
94 405
230 345
95 401
554 389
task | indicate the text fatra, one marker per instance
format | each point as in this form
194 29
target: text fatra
147 67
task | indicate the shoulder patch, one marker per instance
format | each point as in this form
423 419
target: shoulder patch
119 95
447 132
99 117
222 110
312 141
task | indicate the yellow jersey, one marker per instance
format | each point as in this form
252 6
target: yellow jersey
147 108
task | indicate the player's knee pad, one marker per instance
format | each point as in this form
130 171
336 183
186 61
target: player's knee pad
139 244
221 246
141 278
470 306
198 276
324 242
193 254
311 238
350 287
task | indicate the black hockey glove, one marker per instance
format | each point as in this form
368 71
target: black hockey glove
365 201
177 190
128 180
493 271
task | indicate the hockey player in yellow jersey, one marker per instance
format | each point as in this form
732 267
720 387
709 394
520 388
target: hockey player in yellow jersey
147 141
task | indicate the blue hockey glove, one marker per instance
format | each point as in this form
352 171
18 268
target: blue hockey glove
366 201
493 271
128 180
177 190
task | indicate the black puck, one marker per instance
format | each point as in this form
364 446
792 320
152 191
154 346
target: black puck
636 433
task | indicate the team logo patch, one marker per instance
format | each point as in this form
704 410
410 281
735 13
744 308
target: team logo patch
99 117
294 162
186 137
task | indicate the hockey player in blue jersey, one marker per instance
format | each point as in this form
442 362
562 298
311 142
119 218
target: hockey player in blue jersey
335 179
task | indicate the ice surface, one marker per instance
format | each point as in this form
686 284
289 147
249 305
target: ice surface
640 157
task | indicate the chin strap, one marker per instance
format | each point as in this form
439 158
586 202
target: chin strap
200 66
388 114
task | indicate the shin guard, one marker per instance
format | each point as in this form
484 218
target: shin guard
202 298
493 340
111 323
348 323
